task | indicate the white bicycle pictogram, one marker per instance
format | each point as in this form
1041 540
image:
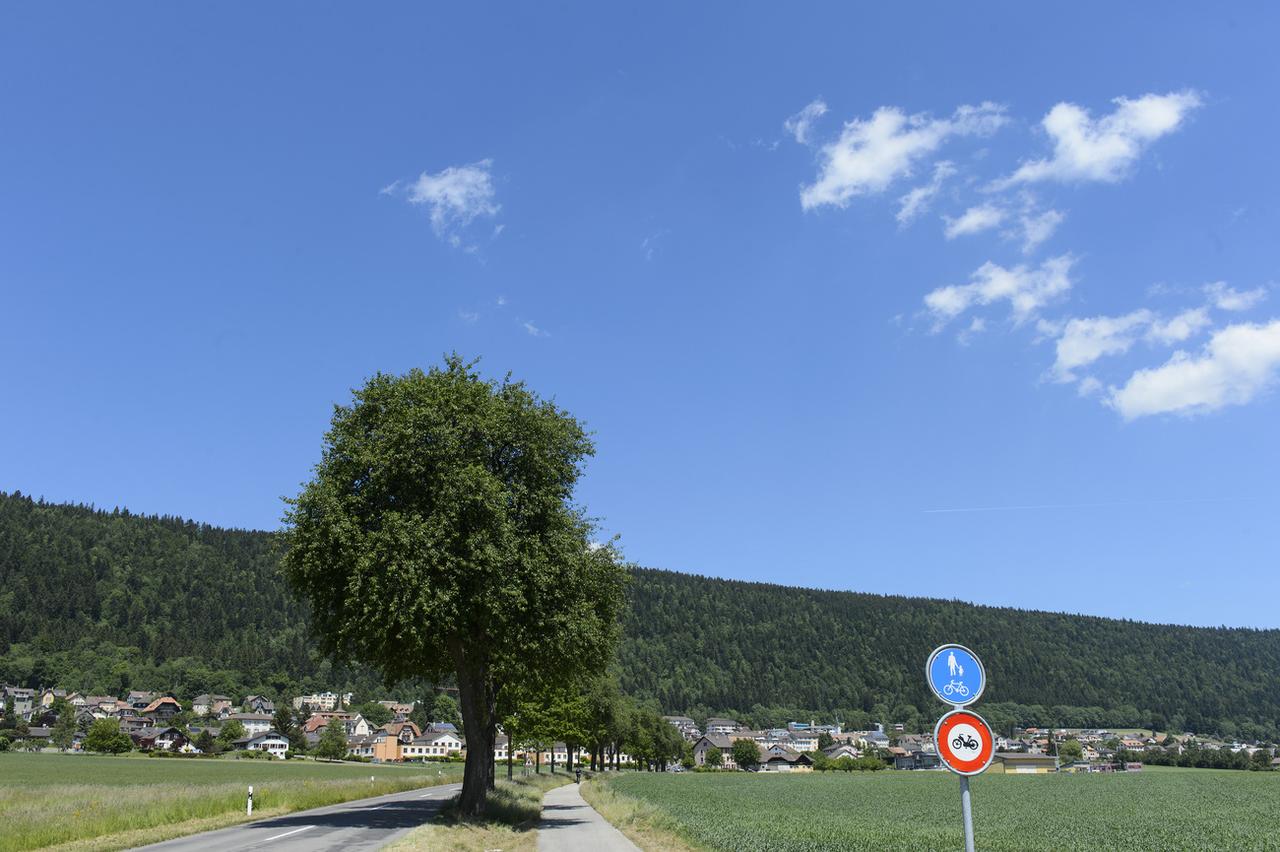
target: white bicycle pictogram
956 688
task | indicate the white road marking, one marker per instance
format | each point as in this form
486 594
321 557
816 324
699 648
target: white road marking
287 833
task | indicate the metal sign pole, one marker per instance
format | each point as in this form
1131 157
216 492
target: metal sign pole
966 810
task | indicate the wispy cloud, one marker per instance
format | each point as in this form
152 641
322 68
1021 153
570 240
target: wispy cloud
918 200
1084 340
1104 149
799 124
1036 227
1026 289
1226 299
870 155
982 217
455 197
534 331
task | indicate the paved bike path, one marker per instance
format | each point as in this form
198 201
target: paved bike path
569 824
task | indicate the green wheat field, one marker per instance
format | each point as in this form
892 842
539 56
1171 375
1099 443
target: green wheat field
1155 809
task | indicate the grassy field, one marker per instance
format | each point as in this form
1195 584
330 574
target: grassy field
86 802
1151 810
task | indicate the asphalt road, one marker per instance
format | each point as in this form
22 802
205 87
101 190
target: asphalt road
361 824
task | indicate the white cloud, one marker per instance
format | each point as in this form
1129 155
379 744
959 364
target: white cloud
1179 328
456 197
390 188
917 201
534 330
501 300
974 220
1026 289
1226 299
1084 341
1036 228
870 155
1238 363
799 124
1105 148
468 316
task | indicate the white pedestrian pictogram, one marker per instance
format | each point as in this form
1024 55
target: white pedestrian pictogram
952 665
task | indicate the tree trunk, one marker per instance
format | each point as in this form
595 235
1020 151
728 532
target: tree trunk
510 749
479 705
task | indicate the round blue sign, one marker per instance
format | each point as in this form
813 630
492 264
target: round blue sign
955 675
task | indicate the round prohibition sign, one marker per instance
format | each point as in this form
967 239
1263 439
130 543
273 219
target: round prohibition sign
965 742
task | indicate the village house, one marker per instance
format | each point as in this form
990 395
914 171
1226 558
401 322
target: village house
138 699
254 723
48 696
399 710
357 726
710 741
209 705
840 750
389 741
779 758
686 726
431 744
269 741
158 738
161 709
316 723
259 704
722 726
131 722
24 700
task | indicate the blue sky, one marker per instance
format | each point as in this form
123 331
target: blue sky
957 301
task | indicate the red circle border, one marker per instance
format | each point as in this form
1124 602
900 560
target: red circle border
985 755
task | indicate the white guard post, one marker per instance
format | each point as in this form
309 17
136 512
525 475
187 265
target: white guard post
249 807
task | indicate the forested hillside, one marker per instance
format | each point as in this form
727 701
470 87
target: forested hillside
105 601
768 652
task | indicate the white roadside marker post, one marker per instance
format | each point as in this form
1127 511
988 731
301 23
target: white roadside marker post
249 807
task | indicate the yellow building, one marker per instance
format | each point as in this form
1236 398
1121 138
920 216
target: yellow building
1018 763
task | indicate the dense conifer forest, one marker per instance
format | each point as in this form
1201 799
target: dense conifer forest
104 601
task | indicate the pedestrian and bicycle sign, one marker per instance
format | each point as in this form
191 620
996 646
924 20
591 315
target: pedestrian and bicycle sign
964 741
955 674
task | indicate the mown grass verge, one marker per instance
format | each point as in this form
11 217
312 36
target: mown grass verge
116 803
510 824
646 825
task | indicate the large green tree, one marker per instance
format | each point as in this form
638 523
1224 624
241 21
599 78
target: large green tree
105 736
438 536
333 741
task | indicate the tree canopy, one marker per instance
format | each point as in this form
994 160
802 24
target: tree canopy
438 538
